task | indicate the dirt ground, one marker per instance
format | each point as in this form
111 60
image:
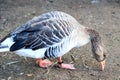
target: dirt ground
102 15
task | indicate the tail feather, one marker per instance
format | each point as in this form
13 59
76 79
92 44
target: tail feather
6 43
4 48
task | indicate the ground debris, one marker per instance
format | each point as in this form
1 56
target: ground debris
73 58
13 62
29 75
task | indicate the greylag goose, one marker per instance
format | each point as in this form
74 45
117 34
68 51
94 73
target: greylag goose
51 35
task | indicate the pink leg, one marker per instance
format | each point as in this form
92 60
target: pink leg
65 66
43 63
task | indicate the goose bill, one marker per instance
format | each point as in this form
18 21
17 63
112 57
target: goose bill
102 65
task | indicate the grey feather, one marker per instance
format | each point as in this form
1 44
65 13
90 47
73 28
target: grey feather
42 31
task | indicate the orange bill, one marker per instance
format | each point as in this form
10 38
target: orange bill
102 65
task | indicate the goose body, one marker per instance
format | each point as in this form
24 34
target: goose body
49 35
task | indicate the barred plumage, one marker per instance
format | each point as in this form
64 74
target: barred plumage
51 35
43 31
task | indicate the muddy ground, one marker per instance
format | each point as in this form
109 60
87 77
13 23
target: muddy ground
102 15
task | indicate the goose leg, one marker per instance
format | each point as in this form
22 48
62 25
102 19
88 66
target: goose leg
43 63
63 65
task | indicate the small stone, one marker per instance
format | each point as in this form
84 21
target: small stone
92 74
113 12
99 79
10 78
28 14
50 1
33 13
25 16
118 64
21 73
94 1
4 21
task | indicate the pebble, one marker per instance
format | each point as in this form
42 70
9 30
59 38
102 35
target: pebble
118 64
94 1
9 78
4 20
50 1
21 73
92 73
33 13
29 75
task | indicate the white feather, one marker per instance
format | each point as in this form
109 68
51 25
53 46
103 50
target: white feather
6 44
31 53
4 49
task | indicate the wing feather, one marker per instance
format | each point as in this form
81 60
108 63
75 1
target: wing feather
41 33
